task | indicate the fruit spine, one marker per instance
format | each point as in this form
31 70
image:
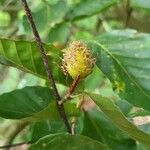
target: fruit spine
77 60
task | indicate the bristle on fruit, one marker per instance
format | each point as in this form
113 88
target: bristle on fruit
77 60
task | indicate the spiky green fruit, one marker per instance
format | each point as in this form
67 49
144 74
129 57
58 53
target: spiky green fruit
78 60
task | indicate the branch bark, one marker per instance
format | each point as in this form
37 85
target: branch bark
12 136
71 89
13 145
45 62
128 13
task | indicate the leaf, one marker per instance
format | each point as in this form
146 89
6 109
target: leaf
141 147
61 30
145 126
46 127
50 112
129 110
116 116
58 11
66 141
91 83
25 56
140 4
98 127
24 102
86 8
97 83
123 56
124 106
40 129
32 104
2 1
40 17
46 15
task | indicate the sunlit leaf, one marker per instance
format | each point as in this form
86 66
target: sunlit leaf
25 56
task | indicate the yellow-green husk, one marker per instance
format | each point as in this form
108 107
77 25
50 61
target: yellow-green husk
78 60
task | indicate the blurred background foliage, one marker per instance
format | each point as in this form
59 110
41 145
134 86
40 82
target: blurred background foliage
49 16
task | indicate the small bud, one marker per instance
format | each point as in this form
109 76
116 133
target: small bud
78 60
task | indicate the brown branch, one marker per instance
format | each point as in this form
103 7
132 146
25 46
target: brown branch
98 24
19 128
45 62
71 89
13 145
73 85
10 8
128 13
73 125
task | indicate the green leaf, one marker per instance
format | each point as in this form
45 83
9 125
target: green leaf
61 30
25 56
40 129
145 127
123 56
32 104
50 112
46 15
124 106
46 127
97 83
66 141
98 127
141 147
40 17
86 8
5 20
116 116
58 11
2 1
91 83
141 4
24 102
